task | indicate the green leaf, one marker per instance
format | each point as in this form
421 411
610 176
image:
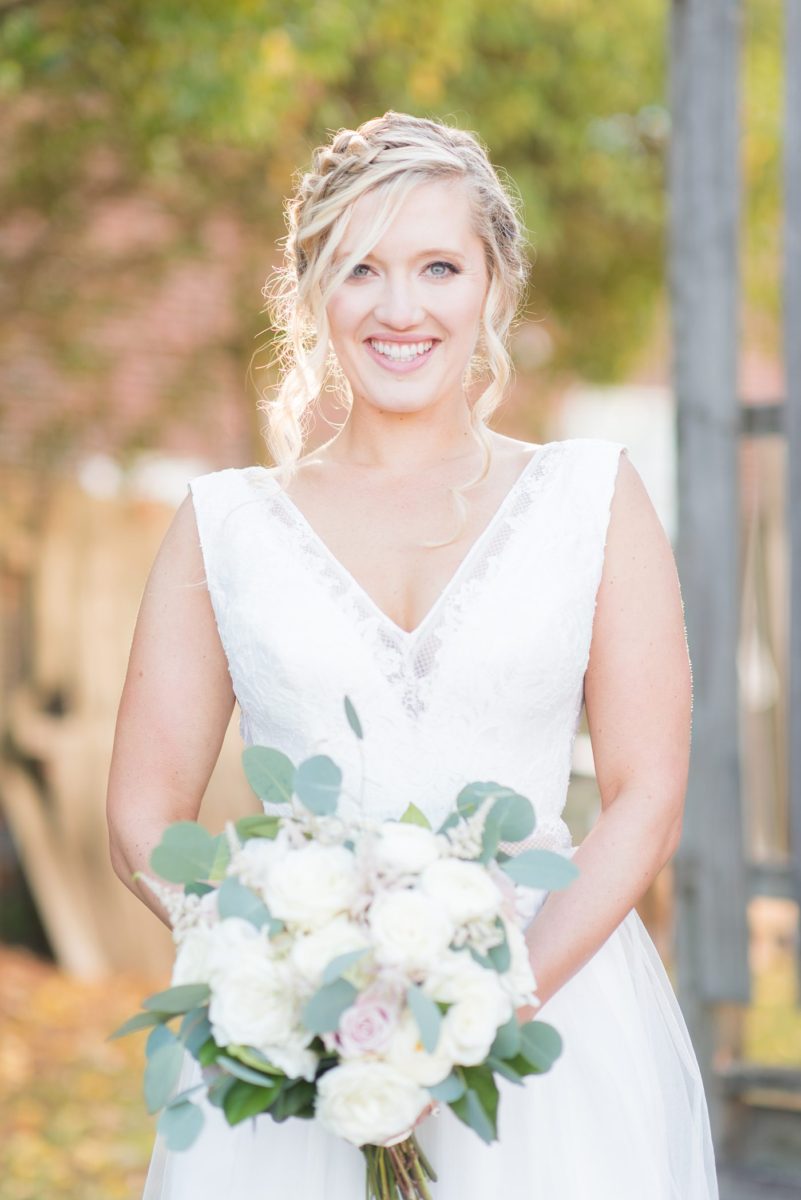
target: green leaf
160 1035
540 1044
468 1108
318 781
249 1074
518 1065
263 825
178 999
353 719
451 1088
243 1100
541 869
143 1020
198 889
339 965
254 1058
507 1039
413 816
236 900
294 1100
161 1074
427 1016
270 773
321 1014
185 853
481 1084
207 1052
180 1125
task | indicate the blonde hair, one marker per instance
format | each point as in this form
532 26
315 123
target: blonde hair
389 155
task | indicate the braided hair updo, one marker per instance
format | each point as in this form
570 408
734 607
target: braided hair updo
391 155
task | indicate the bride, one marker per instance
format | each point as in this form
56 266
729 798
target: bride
470 592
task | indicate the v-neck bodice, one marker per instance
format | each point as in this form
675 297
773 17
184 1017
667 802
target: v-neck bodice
489 685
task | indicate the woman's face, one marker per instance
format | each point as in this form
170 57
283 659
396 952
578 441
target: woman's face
405 322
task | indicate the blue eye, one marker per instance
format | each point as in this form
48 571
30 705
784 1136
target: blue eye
449 269
359 267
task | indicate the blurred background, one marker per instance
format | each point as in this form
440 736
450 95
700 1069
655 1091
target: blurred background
147 147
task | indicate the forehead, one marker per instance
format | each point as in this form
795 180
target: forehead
434 213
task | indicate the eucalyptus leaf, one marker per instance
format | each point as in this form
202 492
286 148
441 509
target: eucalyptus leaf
185 853
195 1030
468 1108
504 1067
321 1014
481 1083
180 1125
240 1071
507 1039
339 965
353 718
473 795
254 1058
218 1089
198 889
160 1035
142 1020
427 1016
541 869
449 822
540 1044
236 900
161 1074
501 956
451 1088
176 1000
270 773
515 817
414 816
318 781
222 857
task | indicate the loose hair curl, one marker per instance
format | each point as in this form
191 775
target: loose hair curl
389 155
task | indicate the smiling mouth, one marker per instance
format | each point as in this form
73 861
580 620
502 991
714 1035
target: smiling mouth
401 352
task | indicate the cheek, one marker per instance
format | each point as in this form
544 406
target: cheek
344 313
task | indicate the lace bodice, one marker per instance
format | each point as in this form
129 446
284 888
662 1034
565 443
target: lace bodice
489 686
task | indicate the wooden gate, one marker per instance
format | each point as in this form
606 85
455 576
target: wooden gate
756 1110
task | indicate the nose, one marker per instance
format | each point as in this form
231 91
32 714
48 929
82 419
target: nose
398 305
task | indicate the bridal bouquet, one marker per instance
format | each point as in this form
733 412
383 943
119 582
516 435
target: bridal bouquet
351 970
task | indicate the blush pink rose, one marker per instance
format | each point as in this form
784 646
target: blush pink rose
365 1028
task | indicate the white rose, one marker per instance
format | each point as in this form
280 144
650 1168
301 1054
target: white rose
310 886
252 863
368 1102
410 930
226 941
312 952
518 982
405 849
192 957
466 889
407 1054
479 1005
293 1056
253 1001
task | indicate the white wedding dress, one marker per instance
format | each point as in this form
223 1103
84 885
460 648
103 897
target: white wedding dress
488 687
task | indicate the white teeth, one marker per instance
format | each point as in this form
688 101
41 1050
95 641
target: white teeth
401 351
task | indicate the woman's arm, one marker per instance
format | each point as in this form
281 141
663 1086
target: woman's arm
638 695
175 707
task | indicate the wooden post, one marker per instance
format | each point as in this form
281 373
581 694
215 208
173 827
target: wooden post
792 356
712 943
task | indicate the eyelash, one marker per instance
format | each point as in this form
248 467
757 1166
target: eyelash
440 262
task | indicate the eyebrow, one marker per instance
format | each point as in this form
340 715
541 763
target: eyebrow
435 252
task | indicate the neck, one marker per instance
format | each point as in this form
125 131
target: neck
403 443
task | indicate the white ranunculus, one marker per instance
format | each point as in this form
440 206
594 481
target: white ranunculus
410 930
368 1102
226 941
310 886
253 999
192 957
407 1054
252 863
405 849
518 982
312 952
466 889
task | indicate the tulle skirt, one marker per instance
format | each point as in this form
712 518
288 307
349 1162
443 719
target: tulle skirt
621 1116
